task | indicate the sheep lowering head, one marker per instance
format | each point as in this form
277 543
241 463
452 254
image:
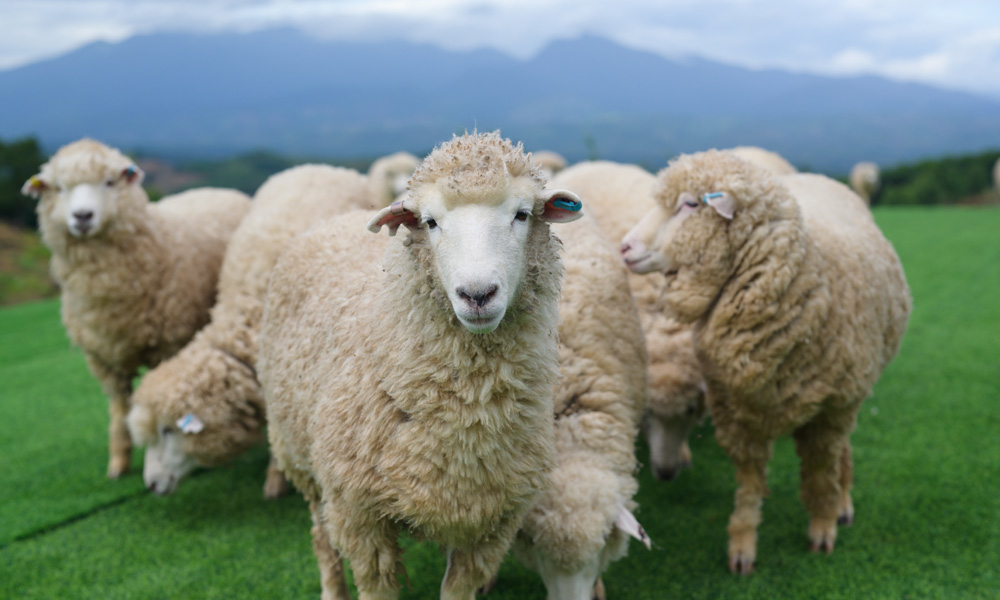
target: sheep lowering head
476 218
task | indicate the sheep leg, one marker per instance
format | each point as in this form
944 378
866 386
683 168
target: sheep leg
846 516
276 485
472 567
751 456
118 387
370 544
331 568
821 447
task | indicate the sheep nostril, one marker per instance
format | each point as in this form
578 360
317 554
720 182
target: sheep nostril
83 215
478 299
625 248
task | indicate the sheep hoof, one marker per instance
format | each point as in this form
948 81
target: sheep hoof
487 587
117 467
741 565
822 535
846 518
825 546
276 485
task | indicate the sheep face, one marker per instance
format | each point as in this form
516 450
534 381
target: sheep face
478 242
83 188
166 462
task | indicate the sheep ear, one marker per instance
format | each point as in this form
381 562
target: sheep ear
722 202
34 187
627 522
393 216
561 206
133 174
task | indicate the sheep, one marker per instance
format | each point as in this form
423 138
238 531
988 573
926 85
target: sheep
618 195
388 176
582 521
204 406
797 302
549 161
771 161
865 179
996 175
137 278
415 391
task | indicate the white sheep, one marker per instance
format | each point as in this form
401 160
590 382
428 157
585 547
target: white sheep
617 196
137 278
767 159
204 406
409 385
798 303
996 175
583 520
388 176
550 162
866 180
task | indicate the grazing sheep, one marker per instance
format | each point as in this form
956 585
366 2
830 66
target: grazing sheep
866 180
798 304
388 176
582 521
212 382
617 196
550 162
137 278
772 161
409 384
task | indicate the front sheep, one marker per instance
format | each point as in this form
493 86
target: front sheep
581 522
409 384
798 304
204 406
137 278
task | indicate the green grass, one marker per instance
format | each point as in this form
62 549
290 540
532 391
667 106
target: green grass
927 453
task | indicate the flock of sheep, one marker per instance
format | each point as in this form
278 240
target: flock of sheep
480 380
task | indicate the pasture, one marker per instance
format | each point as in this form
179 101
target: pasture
927 460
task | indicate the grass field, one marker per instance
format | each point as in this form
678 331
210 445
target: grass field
927 453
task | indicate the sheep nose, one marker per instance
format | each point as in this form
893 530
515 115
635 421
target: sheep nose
477 298
625 248
83 215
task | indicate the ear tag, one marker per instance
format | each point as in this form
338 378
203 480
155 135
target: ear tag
627 522
567 204
711 196
189 423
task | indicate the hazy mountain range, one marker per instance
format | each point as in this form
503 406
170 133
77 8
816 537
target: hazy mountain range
191 94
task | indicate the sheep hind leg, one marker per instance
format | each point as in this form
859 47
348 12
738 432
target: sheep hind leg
276 485
821 450
846 515
331 567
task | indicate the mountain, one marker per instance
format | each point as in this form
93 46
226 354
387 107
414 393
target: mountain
203 94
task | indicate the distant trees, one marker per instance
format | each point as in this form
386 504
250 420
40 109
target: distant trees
19 160
945 181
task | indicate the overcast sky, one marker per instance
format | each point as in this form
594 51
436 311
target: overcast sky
951 43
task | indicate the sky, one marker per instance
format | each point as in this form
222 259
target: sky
948 43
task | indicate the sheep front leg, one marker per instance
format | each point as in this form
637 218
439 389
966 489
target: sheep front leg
370 544
822 448
751 456
276 485
331 567
473 567
118 387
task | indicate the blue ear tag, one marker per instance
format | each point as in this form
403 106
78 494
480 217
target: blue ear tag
129 172
190 423
567 204
711 196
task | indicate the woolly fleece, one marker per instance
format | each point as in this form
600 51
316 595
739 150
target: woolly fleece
772 161
385 173
865 179
798 304
617 196
214 377
598 403
137 291
386 412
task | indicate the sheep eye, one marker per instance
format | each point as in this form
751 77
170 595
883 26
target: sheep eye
109 182
691 203
431 224
522 215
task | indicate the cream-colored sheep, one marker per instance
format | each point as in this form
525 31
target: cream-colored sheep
388 176
137 278
996 175
581 522
772 161
409 383
798 304
866 180
550 162
204 406
617 196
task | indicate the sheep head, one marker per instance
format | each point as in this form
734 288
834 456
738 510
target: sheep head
477 203
708 205
82 189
